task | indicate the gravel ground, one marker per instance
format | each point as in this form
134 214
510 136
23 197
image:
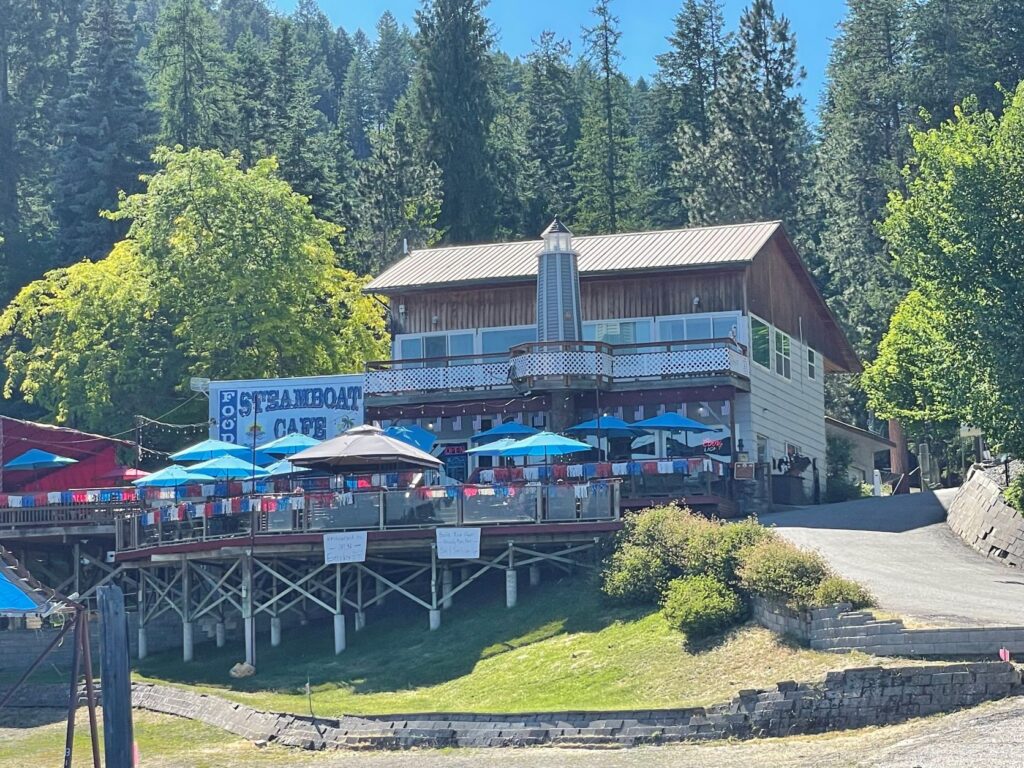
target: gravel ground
901 549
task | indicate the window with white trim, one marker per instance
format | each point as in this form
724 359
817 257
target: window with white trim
783 361
618 331
812 364
761 342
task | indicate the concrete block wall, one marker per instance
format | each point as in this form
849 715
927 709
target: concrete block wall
840 629
981 518
852 698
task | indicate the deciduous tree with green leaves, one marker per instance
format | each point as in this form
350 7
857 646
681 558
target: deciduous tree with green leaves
224 273
954 348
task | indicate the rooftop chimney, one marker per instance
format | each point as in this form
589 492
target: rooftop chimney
558 287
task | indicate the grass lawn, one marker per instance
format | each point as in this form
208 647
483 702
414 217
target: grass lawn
36 738
563 647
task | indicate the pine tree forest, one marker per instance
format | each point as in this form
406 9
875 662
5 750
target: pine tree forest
399 138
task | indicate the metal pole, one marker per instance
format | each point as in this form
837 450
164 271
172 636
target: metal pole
69 738
90 690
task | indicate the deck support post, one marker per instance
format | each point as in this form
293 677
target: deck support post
187 629
379 593
339 617
534 575
511 587
435 618
446 587
143 649
220 632
247 610
433 613
464 574
360 617
275 631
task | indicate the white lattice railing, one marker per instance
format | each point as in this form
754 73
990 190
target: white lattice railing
569 361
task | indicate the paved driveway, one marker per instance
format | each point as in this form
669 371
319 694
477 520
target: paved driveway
901 548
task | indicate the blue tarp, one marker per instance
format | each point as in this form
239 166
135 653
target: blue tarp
14 599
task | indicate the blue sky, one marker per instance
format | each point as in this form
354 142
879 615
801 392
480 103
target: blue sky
645 23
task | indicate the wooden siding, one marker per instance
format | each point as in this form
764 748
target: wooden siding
779 291
602 298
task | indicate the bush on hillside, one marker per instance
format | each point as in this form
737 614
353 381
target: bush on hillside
701 606
671 542
834 589
838 458
635 574
1014 493
777 570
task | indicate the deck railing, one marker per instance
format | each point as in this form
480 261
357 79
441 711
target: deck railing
380 509
560 363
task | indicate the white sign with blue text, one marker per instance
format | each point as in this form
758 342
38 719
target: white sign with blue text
260 410
458 543
346 547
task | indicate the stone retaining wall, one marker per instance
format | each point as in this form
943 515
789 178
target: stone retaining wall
981 518
840 629
852 698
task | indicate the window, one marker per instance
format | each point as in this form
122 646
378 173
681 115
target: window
618 331
410 349
783 363
761 342
812 364
726 328
460 344
500 341
435 346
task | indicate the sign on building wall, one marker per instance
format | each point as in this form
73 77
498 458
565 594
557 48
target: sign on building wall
345 547
319 406
458 543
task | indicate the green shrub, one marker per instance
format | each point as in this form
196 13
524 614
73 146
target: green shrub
838 458
834 589
1014 493
670 542
777 570
635 574
701 606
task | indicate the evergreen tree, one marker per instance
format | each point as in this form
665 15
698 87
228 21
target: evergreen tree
103 133
455 109
605 152
240 17
299 134
400 195
357 109
391 66
319 46
750 165
191 76
685 84
865 144
552 129
250 67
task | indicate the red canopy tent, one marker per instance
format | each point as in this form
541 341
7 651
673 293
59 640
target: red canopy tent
95 456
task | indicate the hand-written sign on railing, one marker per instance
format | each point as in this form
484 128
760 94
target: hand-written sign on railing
458 543
347 547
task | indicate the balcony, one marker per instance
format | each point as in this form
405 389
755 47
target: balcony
560 365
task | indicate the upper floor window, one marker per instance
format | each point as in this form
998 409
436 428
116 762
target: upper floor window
618 331
812 364
761 342
783 361
501 340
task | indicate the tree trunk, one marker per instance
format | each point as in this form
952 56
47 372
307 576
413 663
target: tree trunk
899 456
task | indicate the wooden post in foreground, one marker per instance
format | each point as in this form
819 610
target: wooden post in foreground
117 685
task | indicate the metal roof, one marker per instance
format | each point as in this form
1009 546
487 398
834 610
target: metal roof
496 262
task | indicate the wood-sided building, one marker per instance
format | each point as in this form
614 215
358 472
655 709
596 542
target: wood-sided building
721 324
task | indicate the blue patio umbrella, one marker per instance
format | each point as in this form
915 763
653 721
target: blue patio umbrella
284 467
413 434
545 444
211 449
607 426
673 422
34 458
228 468
493 449
290 444
511 429
172 477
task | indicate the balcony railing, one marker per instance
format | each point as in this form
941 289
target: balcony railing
560 364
